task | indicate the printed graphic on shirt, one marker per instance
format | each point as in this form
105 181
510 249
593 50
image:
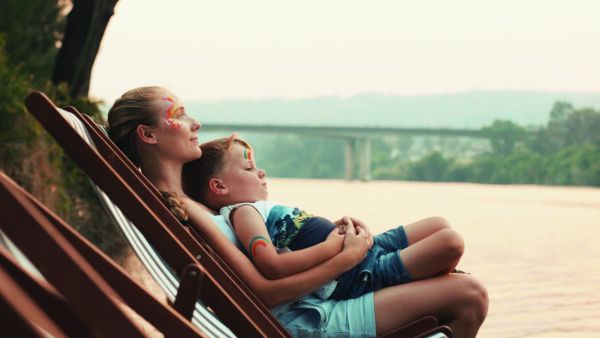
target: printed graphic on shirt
284 223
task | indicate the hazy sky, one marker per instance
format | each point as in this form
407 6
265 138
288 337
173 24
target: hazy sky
205 50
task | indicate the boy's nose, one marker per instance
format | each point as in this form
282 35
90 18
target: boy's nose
262 173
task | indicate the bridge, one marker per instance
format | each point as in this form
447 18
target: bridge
358 139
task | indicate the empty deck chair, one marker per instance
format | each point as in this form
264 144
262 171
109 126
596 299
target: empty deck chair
80 299
32 306
122 173
21 314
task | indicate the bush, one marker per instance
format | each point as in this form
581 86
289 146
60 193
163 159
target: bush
37 163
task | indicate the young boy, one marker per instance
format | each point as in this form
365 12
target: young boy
283 240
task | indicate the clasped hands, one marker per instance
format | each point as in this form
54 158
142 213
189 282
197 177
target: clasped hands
352 234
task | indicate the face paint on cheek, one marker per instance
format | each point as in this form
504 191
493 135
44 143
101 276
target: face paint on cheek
173 124
170 113
255 243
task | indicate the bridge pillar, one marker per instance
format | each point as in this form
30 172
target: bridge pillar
364 162
358 149
349 159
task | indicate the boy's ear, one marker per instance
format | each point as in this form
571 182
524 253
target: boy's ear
146 134
217 186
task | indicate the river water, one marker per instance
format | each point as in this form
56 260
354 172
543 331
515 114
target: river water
536 248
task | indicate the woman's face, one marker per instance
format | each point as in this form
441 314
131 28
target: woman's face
177 133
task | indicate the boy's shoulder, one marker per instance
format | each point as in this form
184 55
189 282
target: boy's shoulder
263 208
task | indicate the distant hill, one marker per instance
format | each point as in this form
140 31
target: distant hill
460 110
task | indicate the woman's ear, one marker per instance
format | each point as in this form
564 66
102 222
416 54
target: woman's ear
217 186
146 134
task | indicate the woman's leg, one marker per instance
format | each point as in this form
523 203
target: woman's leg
456 300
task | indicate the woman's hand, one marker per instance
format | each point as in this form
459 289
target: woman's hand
342 225
356 243
359 224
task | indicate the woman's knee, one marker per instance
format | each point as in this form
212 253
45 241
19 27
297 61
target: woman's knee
475 300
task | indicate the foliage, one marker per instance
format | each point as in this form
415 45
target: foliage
432 167
504 135
287 156
565 152
29 32
34 29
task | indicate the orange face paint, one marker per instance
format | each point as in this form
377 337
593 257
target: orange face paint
170 113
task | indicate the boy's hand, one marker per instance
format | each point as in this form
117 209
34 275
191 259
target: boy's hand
355 243
342 224
335 240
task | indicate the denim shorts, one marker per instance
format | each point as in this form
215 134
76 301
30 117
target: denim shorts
382 267
312 316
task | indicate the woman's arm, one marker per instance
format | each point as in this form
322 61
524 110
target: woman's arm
251 230
278 291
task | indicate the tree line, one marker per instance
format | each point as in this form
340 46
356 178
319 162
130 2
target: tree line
566 151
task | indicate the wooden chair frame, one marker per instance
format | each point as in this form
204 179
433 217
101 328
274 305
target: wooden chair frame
181 247
78 273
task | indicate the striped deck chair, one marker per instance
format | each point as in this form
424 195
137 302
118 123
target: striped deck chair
24 315
426 327
171 254
110 159
76 300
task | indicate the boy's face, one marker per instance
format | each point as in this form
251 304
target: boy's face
243 179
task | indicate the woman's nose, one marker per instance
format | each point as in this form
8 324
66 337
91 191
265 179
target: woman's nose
195 125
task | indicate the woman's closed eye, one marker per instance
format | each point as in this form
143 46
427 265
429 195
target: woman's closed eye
181 115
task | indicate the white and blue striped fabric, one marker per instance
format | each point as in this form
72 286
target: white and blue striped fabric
168 281
164 277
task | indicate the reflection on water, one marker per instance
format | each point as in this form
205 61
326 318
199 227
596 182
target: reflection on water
536 248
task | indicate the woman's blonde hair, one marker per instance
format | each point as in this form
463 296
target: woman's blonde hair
139 107
136 107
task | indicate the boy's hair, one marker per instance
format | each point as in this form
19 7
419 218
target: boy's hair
196 174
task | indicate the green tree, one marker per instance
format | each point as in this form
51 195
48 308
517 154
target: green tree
555 134
32 29
582 127
504 135
433 167
300 156
30 33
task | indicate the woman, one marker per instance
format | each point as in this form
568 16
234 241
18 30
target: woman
151 127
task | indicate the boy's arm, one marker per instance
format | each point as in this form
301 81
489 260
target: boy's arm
251 230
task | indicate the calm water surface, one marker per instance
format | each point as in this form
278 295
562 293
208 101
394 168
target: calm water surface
536 248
